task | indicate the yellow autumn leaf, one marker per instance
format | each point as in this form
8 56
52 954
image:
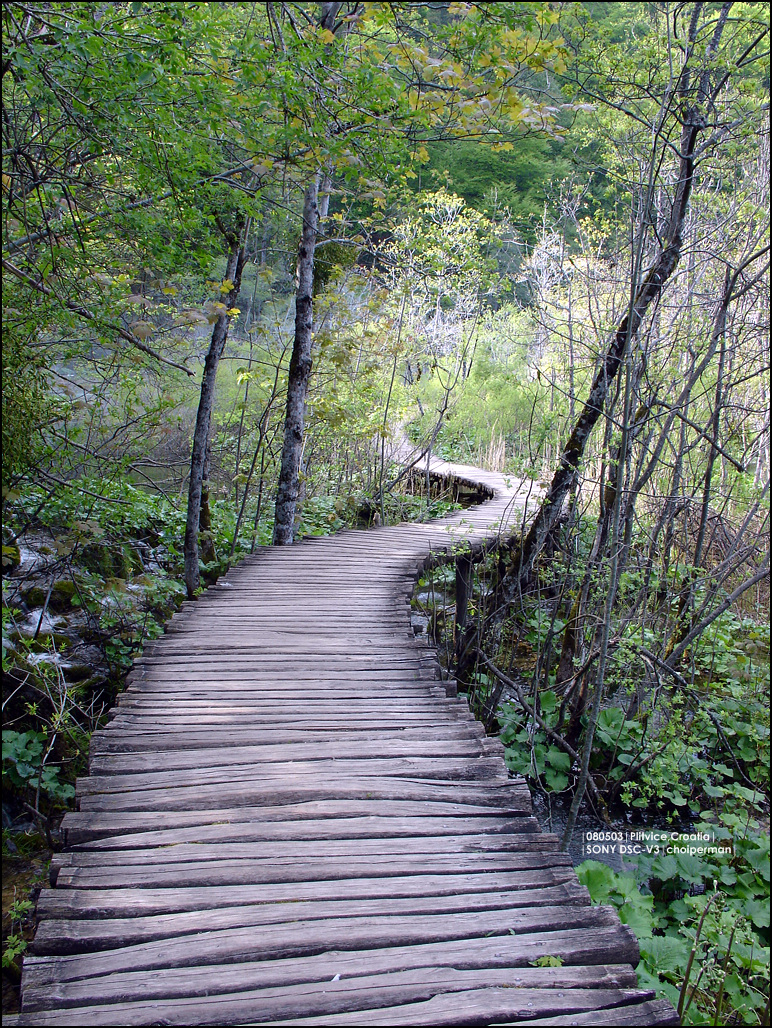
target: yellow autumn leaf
326 36
226 286
170 290
233 311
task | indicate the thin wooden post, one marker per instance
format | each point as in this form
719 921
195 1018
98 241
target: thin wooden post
464 568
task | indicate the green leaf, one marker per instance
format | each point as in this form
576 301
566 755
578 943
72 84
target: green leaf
714 791
548 701
597 878
558 759
665 953
758 912
556 780
665 867
637 913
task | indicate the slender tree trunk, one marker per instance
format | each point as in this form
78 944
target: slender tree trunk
261 484
615 518
299 374
205 538
262 430
300 363
234 268
386 410
525 554
237 462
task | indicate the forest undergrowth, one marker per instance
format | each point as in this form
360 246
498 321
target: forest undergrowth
676 816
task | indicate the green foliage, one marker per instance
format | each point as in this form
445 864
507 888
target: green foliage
19 914
713 903
24 755
516 181
26 405
677 753
530 753
15 947
621 891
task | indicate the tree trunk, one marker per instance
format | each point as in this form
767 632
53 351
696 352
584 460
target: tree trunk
234 268
205 538
526 554
259 450
299 374
300 363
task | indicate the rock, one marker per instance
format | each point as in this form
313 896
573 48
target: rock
52 658
84 661
48 624
62 594
8 646
60 599
33 595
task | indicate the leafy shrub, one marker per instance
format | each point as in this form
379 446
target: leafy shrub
25 768
702 920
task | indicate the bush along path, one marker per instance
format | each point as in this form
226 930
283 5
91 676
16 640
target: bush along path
289 739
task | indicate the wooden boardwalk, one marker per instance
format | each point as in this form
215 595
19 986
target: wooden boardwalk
288 821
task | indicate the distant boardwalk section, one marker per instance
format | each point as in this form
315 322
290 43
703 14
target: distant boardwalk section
289 821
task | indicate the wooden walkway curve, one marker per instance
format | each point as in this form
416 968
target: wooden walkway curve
288 821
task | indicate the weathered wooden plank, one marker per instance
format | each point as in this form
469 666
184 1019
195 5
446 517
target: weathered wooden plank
79 935
479 1006
300 849
281 720
81 826
236 1008
650 1012
114 973
308 787
361 992
275 711
104 742
256 870
135 763
372 827
249 694
137 902
471 769
206 664
242 645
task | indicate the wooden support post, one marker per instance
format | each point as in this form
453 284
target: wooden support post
464 567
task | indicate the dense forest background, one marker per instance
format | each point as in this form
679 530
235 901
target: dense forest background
254 253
